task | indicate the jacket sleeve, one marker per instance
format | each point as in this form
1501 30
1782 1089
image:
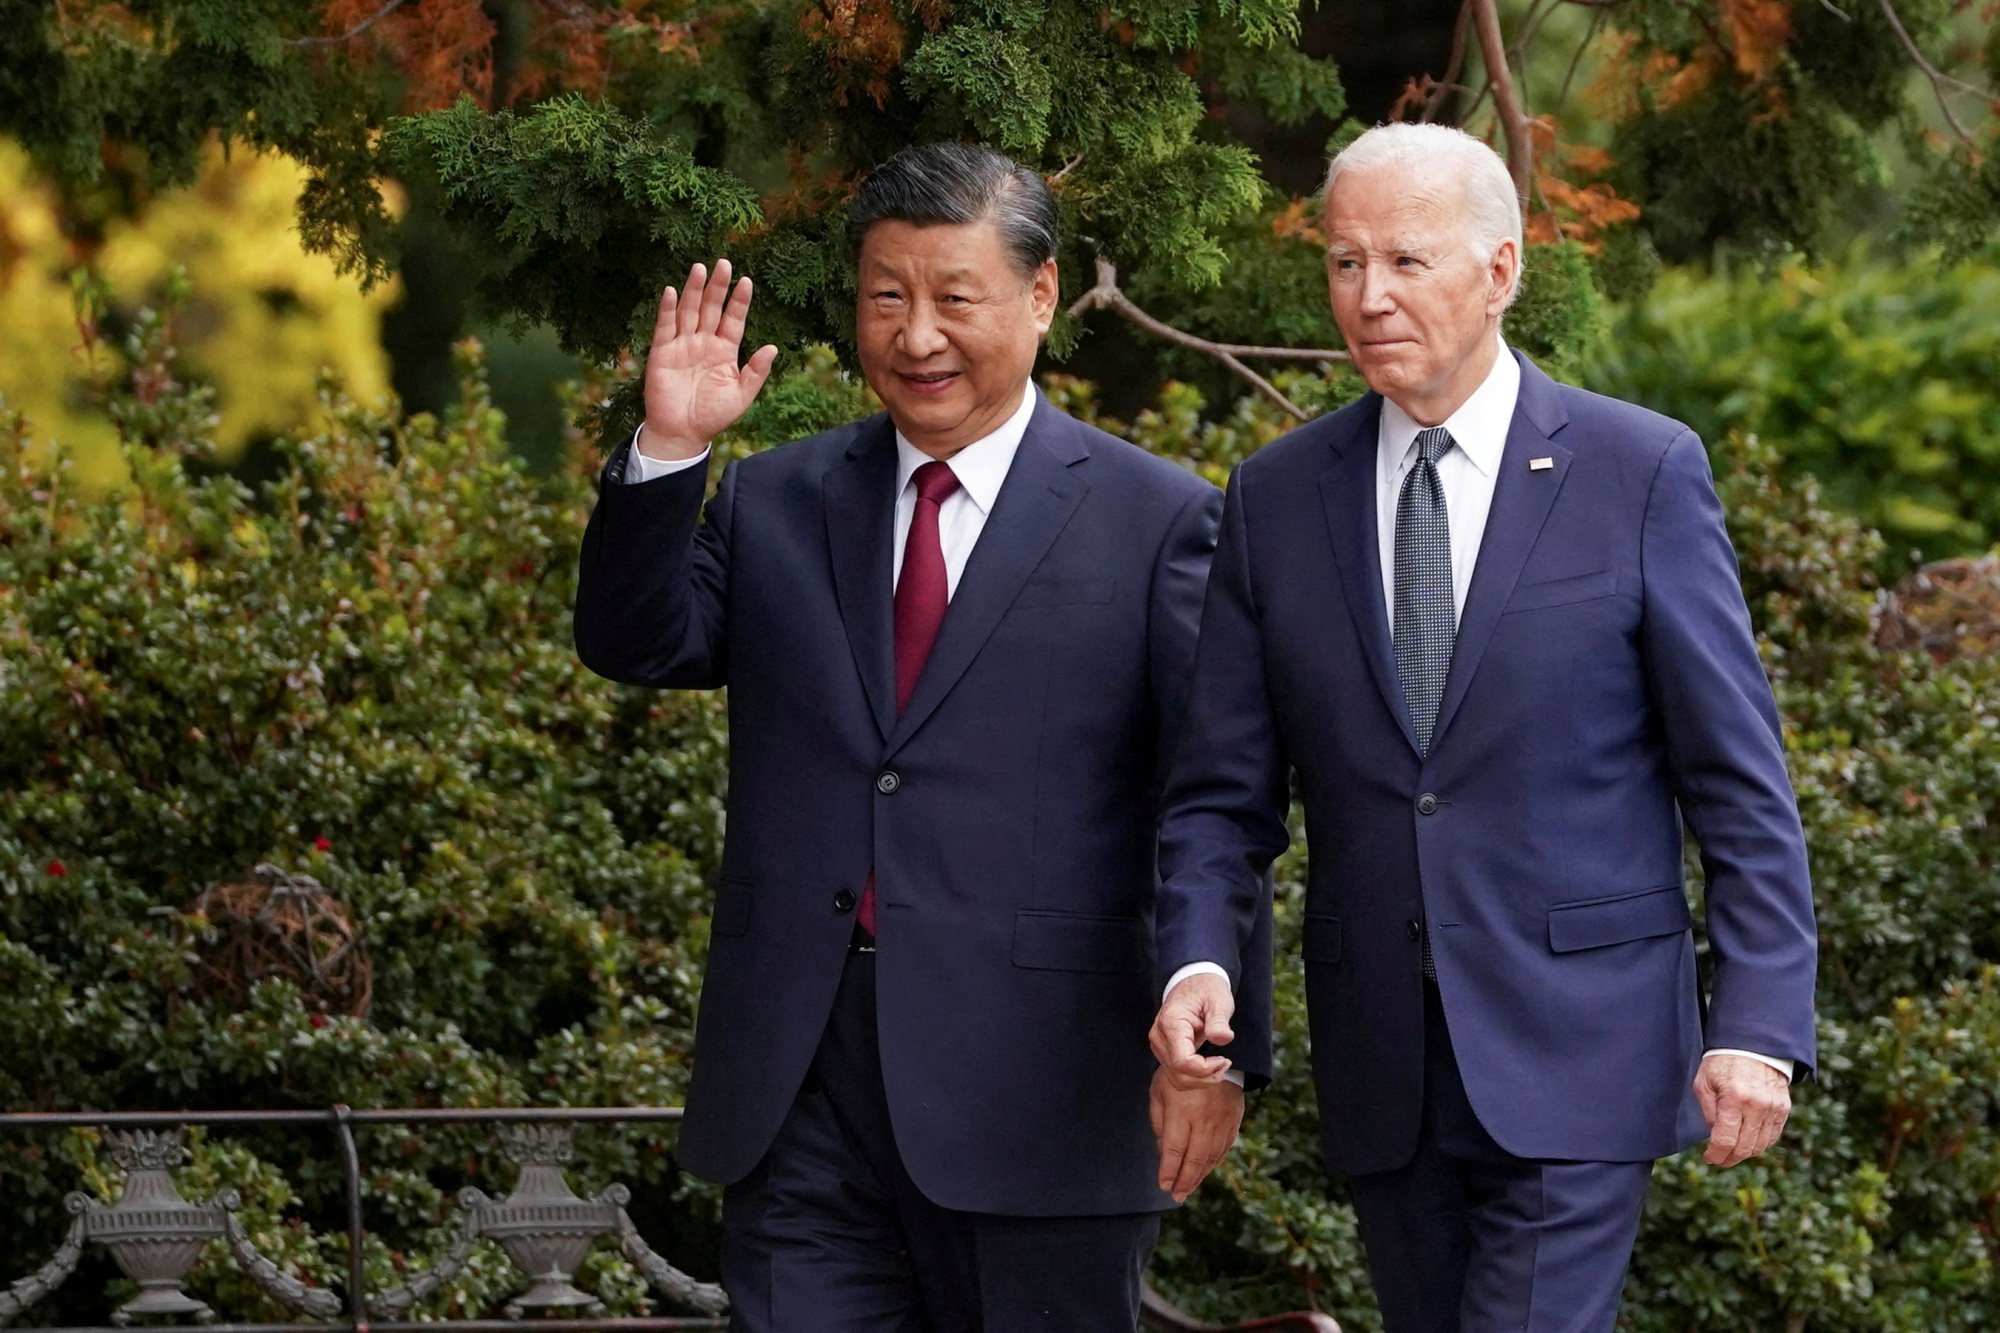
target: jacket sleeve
1224 817
1725 754
653 584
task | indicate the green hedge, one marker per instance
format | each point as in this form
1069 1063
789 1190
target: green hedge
363 671
1878 378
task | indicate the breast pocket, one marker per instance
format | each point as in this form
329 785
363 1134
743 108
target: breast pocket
1565 591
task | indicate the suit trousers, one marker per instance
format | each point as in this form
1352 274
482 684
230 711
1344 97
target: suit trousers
1468 1238
828 1233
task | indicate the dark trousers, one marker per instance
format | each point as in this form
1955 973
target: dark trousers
1468 1237
829 1234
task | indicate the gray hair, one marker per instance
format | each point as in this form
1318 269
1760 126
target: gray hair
952 184
1492 208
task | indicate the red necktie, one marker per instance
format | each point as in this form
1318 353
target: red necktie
922 593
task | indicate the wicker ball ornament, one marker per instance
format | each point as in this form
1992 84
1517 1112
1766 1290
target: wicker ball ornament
273 924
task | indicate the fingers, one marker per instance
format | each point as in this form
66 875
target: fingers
1197 1012
729 324
1173 1138
665 325
1205 1145
757 369
1746 1104
688 318
1194 1131
1704 1093
714 296
1724 1136
1176 1040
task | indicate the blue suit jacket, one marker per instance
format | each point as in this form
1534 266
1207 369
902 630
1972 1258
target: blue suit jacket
1010 815
1604 685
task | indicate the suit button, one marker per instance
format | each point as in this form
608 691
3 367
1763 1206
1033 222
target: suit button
843 901
1427 804
1414 929
887 782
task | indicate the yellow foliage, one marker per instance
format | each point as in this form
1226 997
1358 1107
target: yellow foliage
265 319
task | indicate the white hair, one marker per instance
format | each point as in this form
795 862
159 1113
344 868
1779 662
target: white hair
1492 208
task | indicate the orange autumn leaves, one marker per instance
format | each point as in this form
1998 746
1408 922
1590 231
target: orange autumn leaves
444 48
1568 202
1745 39
863 42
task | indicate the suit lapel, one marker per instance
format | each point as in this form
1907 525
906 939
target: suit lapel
1522 499
1034 504
860 518
1347 489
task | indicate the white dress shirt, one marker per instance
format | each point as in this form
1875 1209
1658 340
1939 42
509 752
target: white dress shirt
980 468
1468 474
1479 427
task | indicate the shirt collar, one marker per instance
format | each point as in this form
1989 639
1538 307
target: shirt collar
1479 427
980 466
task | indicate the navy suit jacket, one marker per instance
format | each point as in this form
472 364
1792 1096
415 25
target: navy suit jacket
1010 815
1604 685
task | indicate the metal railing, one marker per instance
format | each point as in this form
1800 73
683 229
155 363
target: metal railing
543 1226
155 1235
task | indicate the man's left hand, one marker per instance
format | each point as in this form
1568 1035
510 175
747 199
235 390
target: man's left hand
1194 1128
1745 1102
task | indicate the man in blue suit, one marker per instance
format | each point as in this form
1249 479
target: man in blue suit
957 639
1493 627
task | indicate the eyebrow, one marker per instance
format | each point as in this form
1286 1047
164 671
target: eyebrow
1341 249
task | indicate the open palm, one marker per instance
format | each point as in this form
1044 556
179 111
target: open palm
695 389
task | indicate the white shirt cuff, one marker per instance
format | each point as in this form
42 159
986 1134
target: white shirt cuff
1783 1066
1194 970
643 468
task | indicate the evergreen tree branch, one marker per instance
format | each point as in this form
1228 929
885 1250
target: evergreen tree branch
1108 295
1514 122
388 8
1939 79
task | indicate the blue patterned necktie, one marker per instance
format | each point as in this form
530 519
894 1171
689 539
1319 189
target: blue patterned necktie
1425 624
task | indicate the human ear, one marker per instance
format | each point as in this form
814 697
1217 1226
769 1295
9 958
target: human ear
1043 290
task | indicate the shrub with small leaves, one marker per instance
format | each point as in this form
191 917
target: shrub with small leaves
364 672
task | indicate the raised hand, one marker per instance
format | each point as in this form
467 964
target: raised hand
694 388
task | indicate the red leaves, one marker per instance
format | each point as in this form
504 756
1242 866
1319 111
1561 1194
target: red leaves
863 42
443 47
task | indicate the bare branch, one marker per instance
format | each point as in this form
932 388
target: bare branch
1514 123
1526 30
1937 76
1065 169
1109 296
387 9
1576 60
1939 79
1435 102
